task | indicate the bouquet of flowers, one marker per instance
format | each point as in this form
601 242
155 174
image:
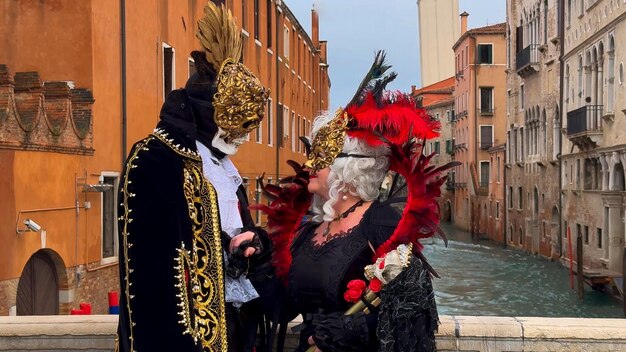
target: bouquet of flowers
383 271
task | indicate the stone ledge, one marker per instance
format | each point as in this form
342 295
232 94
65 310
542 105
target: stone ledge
456 333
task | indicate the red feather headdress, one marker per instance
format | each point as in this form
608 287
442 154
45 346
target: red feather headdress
377 117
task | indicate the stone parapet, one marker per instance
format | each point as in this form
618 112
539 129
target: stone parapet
456 333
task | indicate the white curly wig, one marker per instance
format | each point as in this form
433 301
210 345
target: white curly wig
359 176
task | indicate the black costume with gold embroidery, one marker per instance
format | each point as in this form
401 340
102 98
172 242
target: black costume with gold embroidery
171 273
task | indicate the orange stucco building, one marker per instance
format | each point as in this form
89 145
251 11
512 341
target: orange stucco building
480 121
73 100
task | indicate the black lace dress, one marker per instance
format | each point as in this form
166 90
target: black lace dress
320 273
405 321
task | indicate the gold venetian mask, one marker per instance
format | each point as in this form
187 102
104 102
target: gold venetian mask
328 142
239 101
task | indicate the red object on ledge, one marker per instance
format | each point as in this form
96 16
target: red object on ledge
85 307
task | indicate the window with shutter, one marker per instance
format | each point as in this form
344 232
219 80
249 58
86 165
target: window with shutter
486 137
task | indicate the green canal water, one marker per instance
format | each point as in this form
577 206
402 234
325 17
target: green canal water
482 278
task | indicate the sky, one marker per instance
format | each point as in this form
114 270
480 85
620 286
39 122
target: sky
356 29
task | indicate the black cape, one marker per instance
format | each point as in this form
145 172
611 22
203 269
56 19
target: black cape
171 262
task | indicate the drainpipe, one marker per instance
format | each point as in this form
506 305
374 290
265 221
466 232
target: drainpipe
476 132
561 20
277 95
123 77
505 205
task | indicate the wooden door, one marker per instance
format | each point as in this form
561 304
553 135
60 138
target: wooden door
38 288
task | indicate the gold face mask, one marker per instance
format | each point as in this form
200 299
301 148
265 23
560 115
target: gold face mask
239 101
328 142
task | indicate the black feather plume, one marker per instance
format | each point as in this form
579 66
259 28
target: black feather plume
374 80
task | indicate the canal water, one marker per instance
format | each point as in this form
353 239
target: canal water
482 278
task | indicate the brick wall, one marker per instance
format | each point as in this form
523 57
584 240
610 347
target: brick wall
8 291
95 285
49 116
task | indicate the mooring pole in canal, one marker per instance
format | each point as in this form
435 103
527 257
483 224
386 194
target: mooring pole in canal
571 258
579 266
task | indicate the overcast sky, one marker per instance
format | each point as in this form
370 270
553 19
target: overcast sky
356 29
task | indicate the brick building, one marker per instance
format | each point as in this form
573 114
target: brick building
533 127
480 119
73 100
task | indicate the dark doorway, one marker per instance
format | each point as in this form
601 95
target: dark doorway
38 288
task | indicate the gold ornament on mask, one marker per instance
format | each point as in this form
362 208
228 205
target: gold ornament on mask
239 102
240 99
328 142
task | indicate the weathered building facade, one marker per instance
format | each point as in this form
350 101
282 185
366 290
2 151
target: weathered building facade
533 126
594 144
71 109
479 124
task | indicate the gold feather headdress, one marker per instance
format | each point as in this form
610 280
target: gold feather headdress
240 98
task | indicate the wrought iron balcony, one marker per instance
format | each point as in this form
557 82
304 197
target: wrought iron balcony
460 146
584 126
483 184
527 58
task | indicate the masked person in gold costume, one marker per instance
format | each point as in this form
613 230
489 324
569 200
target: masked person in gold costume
183 208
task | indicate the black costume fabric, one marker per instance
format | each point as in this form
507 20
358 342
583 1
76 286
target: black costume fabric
319 275
407 318
171 273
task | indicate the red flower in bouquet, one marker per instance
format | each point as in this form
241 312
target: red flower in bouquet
375 285
355 291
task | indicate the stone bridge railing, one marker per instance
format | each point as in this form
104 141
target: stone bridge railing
95 333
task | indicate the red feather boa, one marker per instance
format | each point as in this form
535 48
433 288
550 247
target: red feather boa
284 215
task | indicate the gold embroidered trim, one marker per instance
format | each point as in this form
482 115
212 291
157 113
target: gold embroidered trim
126 220
186 152
206 275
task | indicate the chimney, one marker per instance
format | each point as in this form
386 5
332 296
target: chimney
315 30
464 16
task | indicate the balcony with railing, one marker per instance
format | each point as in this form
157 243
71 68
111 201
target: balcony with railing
584 126
460 146
527 60
461 115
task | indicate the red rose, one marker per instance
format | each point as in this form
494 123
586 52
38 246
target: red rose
375 285
382 264
354 295
346 296
356 284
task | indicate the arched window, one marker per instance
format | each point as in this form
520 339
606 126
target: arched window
544 133
556 133
545 21
610 101
567 84
618 178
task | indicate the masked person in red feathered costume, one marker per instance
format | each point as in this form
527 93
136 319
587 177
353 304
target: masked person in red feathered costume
321 260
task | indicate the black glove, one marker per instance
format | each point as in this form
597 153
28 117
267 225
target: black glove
339 332
238 264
